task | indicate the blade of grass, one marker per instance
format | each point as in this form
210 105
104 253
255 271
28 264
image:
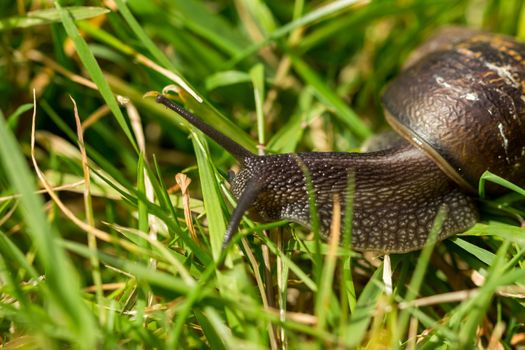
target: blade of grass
64 284
488 176
170 73
197 18
91 65
209 330
39 17
316 15
296 269
12 120
355 21
348 293
260 14
139 270
211 195
15 268
480 253
11 252
328 96
142 36
314 218
141 187
216 228
261 286
285 140
283 271
481 302
90 218
418 276
355 330
225 78
257 76
322 302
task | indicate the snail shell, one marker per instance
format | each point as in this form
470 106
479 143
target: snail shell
464 105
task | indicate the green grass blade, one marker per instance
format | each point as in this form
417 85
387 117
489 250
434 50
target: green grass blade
488 176
12 120
212 197
257 76
480 253
64 295
355 330
143 37
419 274
199 20
285 140
91 65
226 78
39 17
311 17
141 187
327 95
213 336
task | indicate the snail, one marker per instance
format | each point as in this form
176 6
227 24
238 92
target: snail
459 108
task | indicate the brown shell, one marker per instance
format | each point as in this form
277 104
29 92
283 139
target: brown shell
464 105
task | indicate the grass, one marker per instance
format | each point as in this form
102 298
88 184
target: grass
95 246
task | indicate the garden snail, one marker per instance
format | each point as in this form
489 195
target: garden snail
460 109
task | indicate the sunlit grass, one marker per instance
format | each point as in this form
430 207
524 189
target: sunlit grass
113 264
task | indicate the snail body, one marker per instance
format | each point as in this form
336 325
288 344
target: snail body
463 97
393 211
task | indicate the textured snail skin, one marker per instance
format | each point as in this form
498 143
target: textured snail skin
460 110
465 105
398 193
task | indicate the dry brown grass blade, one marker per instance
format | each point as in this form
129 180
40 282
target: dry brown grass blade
298 317
138 131
88 208
494 342
106 286
263 292
451 297
518 339
37 56
65 210
255 33
333 243
96 116
512 291
56 189
327 270
183 182
85 167
8 215
412 333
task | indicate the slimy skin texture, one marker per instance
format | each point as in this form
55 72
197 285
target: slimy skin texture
398 193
